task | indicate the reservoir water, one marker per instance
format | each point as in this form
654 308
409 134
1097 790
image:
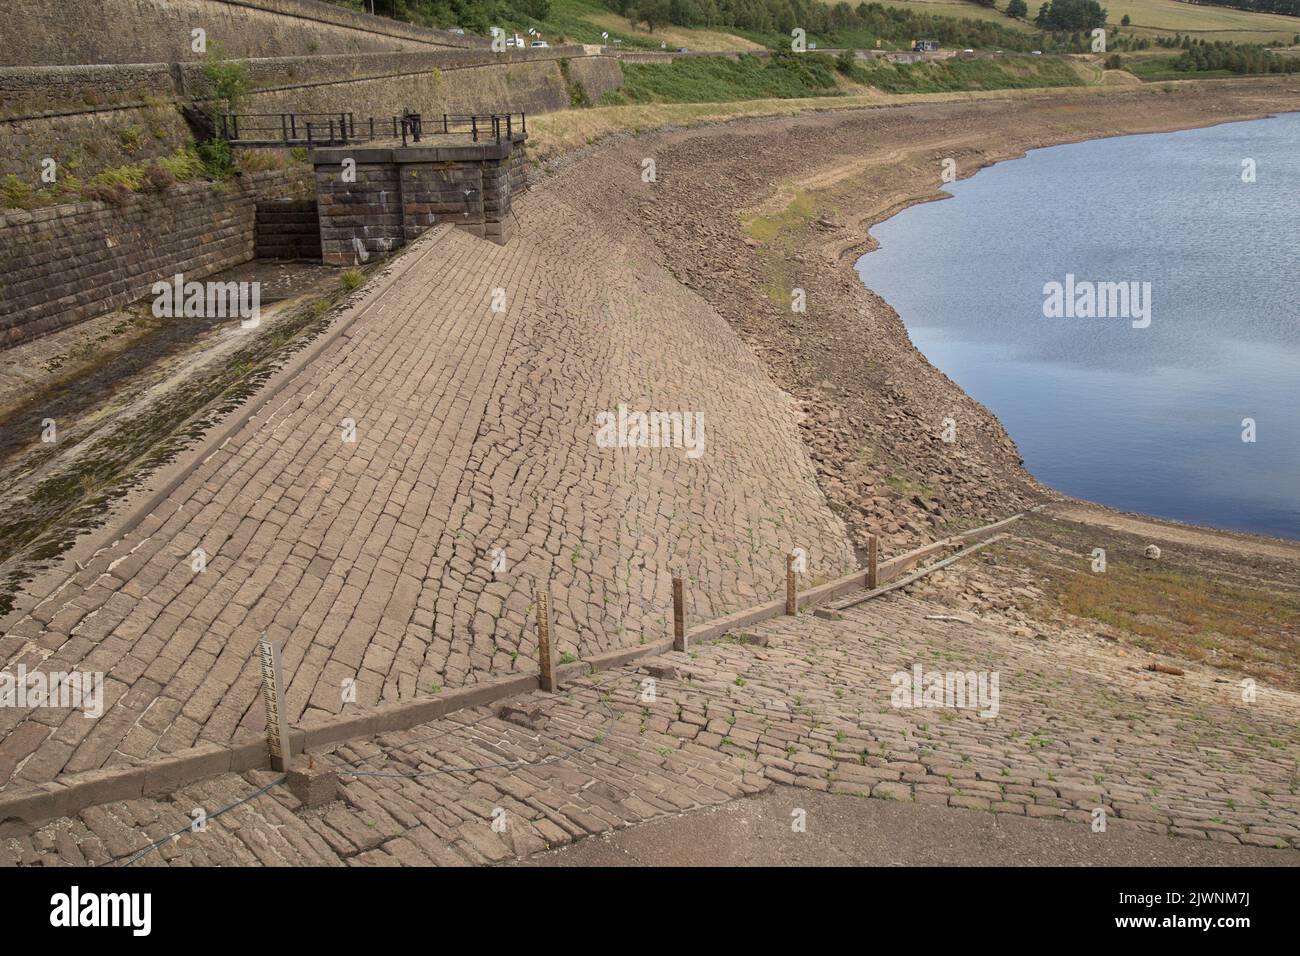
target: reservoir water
1143 417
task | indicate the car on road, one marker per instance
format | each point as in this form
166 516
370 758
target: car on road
540 45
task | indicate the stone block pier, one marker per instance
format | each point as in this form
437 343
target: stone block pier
377 197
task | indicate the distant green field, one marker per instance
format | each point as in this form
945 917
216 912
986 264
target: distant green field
1159 16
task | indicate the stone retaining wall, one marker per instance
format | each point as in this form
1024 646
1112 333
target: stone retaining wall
87 142
287 229
65 264
400 193
43 32
121 128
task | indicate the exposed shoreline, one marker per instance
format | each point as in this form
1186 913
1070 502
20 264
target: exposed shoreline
1292 545
753 218
744 214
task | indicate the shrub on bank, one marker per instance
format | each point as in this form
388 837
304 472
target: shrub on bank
210 161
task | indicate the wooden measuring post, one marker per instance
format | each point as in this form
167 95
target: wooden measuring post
545 653
873 563
277 724
679 615
791 590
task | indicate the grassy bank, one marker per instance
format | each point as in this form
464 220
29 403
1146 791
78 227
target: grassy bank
956 74
1200 602
718 80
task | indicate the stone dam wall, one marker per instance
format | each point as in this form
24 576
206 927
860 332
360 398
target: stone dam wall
46 32
287 229
68 263
400 193
98 84
90 118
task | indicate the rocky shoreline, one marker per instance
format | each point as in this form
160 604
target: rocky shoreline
748 213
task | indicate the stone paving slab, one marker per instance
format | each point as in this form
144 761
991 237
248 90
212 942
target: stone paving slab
405 561
1079 727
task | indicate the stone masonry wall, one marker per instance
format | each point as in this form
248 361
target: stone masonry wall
25 90
400 193
360 219
287 229
96 137
88 142
64 264
45 32
596 75
453 83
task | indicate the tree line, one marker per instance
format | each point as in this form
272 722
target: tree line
771 18
1201 56
1290 8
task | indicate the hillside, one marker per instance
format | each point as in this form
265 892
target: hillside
584 21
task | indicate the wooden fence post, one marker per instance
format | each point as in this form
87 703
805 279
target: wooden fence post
545 653
679 615
873 563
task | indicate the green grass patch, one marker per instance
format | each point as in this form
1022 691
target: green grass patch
717 79
1152 70
765 228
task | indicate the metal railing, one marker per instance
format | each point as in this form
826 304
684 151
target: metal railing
342 128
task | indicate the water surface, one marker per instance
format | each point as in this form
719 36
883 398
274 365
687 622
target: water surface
1142 419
